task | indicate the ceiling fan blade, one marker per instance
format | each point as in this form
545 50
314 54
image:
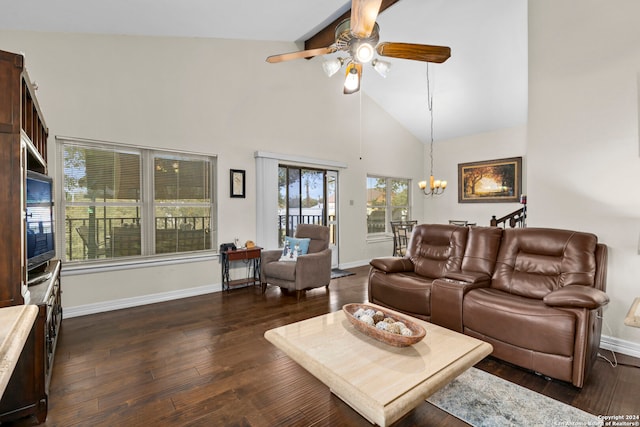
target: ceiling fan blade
363 16
326 36
300 54
353 78
416 52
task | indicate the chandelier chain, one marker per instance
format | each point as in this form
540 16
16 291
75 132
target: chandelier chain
435 187
430 108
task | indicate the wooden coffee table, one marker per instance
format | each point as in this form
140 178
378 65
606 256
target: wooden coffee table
379 381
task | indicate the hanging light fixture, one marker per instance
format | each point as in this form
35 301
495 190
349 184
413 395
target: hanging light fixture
362 50
435 186
352 80
332 66
382 67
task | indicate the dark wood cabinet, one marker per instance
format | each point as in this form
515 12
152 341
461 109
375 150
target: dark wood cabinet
28 388
23 146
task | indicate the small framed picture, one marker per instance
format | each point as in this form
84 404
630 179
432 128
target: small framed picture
237 181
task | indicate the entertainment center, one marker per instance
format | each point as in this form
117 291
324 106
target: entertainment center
29 274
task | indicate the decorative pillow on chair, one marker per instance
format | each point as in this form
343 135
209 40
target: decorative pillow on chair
294 247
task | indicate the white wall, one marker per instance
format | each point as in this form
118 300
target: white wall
448 154
580 146
583 146
218 97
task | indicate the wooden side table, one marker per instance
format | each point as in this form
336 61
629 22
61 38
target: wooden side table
248 256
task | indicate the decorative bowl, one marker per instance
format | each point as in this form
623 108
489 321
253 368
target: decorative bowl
396 340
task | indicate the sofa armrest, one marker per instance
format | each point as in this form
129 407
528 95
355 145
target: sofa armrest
468 277
270 256
447 296
392 264
315 257
577 296
313 269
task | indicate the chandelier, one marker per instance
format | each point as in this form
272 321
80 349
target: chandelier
435 186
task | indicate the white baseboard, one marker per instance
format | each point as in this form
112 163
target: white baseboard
354 264
606 342
84 310
100 307
620 346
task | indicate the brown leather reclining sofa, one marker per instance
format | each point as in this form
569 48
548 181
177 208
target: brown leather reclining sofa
535 294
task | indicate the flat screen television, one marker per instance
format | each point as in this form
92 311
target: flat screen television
39 220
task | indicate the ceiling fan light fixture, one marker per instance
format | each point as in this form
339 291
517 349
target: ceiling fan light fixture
332 66
382 67
352 81
364 52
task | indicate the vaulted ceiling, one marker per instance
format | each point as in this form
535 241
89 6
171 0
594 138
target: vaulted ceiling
482 87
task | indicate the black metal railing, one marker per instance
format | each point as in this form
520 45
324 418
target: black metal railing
516 218
93 238
287 225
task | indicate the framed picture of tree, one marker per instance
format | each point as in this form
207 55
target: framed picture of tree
490 181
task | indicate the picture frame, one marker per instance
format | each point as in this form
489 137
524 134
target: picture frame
490 181
237 183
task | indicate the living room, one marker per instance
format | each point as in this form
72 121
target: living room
219 97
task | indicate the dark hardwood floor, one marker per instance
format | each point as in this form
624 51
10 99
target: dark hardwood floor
203 361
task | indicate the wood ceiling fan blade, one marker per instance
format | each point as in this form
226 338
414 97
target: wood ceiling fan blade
363 16
416 52
326 36
300 54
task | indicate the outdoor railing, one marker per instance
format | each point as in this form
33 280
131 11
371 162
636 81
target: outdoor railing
288 223
93 238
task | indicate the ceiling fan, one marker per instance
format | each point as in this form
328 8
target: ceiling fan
358 36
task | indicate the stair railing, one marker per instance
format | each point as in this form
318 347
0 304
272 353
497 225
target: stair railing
516 218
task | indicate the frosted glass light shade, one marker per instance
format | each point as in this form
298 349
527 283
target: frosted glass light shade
382 67
331 66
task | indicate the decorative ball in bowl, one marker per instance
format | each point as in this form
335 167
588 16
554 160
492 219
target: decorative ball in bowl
383 325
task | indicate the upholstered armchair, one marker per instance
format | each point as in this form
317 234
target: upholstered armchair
312 270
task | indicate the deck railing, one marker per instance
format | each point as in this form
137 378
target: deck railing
92 238
288 223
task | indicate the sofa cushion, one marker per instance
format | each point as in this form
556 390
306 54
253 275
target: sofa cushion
535 261
519 321
319 235
406 292
481 251
294 247
283 270
436 249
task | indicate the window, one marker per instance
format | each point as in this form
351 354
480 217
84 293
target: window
121 201
387 200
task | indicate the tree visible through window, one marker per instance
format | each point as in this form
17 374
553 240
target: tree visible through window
123 201
387 200
301 198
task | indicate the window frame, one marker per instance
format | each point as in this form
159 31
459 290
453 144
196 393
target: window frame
147 205
388 207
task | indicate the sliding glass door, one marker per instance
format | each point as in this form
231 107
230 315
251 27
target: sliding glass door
307 196
331 185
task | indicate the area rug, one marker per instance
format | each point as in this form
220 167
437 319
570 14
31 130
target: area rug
484 400
337 273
